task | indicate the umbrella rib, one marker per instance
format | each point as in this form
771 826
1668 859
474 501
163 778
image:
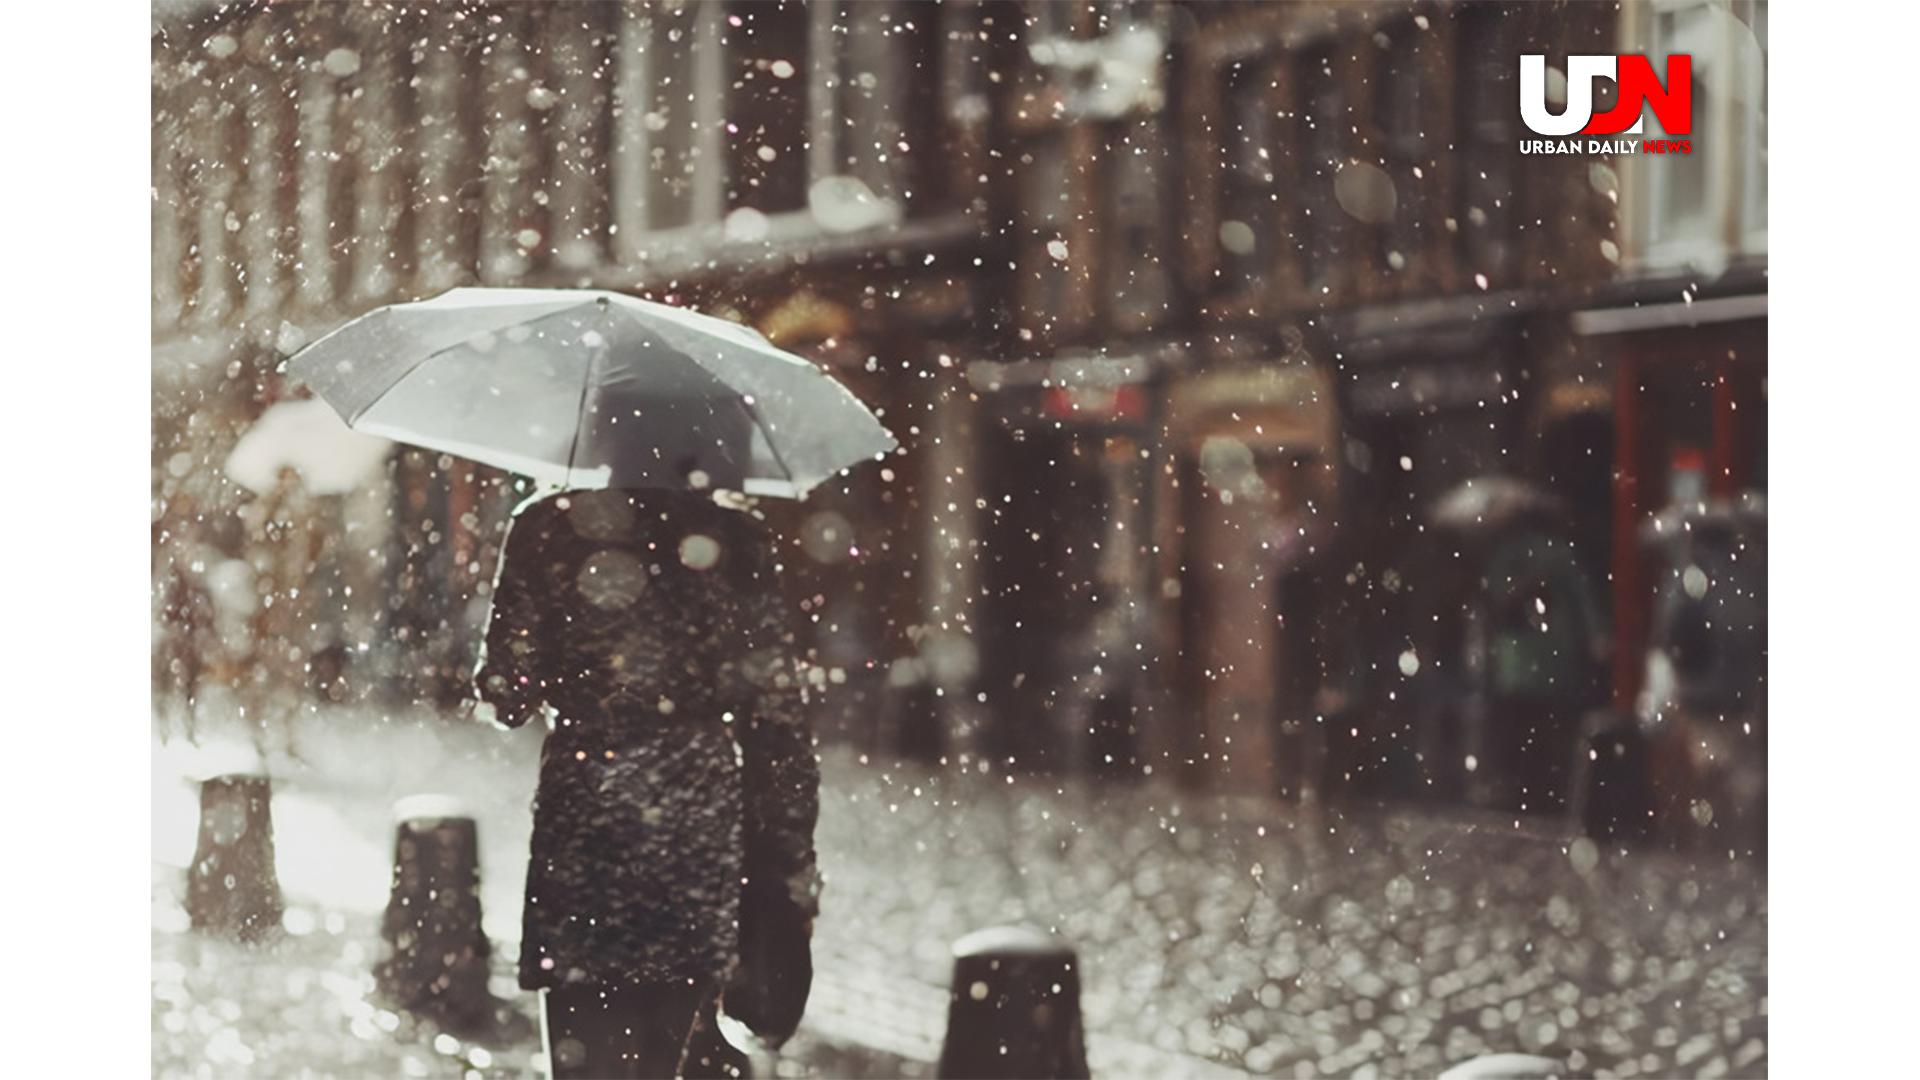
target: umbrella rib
580 416
773 447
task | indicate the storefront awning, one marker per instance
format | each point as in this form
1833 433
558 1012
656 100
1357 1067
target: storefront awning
1066 371
1625 320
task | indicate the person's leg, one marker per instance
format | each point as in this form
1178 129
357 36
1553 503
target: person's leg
575 1030
635 1032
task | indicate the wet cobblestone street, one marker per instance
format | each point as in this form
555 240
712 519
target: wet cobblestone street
1216 936
1251 935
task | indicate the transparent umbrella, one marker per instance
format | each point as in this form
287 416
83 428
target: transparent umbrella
584 388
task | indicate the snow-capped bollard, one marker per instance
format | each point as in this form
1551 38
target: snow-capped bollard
233 889
1014 1009
436 955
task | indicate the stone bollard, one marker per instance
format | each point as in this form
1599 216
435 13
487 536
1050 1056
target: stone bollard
436 956
233 889
1113 737
910 723
1611 798
1014 1009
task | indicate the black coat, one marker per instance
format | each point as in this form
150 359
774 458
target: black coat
679 761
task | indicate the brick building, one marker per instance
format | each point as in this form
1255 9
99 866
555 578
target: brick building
1188 317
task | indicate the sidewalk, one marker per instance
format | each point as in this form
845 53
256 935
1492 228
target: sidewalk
1216 937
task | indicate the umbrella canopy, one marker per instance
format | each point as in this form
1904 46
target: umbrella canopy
582 388
1486 505
305 436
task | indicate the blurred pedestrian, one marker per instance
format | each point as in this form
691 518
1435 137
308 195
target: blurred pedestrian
186 648
678 774
285 539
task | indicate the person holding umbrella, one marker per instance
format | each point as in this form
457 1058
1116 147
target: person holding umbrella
647 622
672 866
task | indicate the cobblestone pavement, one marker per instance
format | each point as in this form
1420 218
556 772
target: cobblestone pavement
1216 937
1224 935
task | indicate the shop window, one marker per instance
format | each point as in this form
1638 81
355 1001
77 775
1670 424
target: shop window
1046 194
1483 215
1753 120
1325 130
1708 206
1138 282
767 82
671 115
765 120
1404 117
1248 231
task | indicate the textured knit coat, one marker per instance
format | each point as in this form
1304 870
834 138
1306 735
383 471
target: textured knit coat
679 761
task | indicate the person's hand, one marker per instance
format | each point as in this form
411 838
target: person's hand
501 701
480 711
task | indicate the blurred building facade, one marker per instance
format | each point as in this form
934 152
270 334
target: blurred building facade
1683 329
1190 317
805 168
